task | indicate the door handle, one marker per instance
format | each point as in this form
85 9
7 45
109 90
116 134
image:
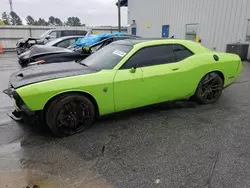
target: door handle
175 69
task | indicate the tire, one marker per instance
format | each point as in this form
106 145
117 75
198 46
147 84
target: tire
209 89
23 65
70 114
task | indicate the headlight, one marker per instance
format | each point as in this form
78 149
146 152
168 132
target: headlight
37 62
14 95
26 57
9 92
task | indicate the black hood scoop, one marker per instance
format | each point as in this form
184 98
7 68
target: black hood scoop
40 73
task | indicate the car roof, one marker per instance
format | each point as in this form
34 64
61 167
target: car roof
68 29
144 42
74 36
132 36
123 37
135 41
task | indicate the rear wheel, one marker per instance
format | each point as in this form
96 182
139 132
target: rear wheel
70 114
209 89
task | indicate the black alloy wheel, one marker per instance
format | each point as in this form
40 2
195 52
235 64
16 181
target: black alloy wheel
70 115
209 89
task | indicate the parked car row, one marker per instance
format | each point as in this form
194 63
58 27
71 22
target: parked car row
114 75
48 54
24 44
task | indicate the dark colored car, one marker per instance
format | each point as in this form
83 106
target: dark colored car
64 42
40 54
52 47
24 44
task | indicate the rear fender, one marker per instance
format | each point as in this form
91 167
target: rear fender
228 64
231 66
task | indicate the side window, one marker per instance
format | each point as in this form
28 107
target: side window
53 35
68 33
150 56
81 32
58 34
64 44
181 52
72 41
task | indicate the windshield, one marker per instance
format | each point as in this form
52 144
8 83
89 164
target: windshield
53 42
107 57
45 34
96 47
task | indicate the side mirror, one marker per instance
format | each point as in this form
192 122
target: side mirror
132 70
47 37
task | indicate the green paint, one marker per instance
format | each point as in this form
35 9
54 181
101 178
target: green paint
132 88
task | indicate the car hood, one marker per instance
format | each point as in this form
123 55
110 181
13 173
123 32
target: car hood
23 40
39 73
38 50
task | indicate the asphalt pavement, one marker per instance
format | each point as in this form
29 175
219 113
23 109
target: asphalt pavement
180 145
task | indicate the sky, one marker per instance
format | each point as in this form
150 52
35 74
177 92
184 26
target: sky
90 12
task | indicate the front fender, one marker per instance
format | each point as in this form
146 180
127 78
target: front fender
36 96
70 92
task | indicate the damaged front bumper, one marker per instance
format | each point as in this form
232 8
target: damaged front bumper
20 107
15 115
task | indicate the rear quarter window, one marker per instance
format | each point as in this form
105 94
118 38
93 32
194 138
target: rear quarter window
150 56
181 52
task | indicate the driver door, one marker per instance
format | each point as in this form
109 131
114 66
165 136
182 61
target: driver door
128 92
156 78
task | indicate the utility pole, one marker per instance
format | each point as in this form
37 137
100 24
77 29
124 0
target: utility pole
119 15
11 6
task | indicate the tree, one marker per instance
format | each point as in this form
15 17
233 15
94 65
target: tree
73 21
15 19
5 18
58 22
30 20
51 20
1 22
42 22
69 21
36 23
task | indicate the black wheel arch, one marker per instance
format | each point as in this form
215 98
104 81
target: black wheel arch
221 75
61 95
216 72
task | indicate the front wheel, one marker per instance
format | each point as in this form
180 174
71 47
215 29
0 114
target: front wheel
209 89
70 114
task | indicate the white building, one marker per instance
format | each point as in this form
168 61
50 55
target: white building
216 22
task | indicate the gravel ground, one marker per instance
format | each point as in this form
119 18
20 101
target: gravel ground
171 145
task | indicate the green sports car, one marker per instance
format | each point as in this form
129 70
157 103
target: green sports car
123 75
